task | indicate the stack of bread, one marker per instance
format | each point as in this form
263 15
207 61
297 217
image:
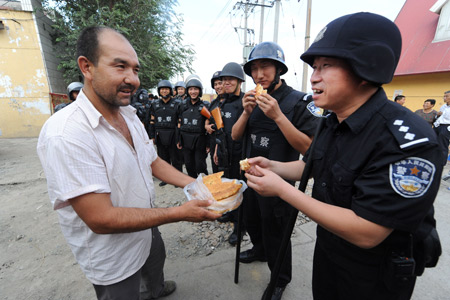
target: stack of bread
221 190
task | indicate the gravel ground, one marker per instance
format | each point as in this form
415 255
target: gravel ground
197 239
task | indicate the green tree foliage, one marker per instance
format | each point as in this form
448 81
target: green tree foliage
151 26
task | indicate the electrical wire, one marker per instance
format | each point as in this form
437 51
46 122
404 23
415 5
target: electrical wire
215 20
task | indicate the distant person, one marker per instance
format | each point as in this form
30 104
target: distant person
442 125
400 99
180 88
73 90
99 164
191 137
140 101
375 166
229 151
210 126
163 125
428 113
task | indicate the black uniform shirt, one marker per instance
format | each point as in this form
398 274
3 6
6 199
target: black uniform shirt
382 162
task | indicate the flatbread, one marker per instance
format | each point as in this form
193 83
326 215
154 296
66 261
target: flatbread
213 178
224 190
260 90
221 190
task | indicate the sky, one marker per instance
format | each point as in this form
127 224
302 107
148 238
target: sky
209 28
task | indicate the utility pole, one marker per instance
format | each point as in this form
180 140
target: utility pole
277 21
247 7
307 38
261 23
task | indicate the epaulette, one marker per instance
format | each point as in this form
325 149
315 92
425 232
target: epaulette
410 131
307 98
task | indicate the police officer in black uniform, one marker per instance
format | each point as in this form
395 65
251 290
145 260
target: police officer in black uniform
140 101
228 151
210 126
191 130
376 167
163 125
277 125
180 89
72 92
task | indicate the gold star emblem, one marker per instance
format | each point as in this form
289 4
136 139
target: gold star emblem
414 171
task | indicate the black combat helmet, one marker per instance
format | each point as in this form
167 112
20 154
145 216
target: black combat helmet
194 82
142 96
165 84
73 87
370 43
180 84
216 76
266 50
233 69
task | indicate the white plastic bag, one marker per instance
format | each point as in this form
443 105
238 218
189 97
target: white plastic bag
198 190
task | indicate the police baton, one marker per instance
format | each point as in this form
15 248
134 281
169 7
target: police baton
240 214
292 218
219 124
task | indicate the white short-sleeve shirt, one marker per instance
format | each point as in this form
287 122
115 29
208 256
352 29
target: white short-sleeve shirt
445 117
81 153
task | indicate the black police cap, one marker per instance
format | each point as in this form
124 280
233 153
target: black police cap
370 43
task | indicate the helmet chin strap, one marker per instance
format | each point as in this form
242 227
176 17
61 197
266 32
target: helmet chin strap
166 96
237 87
275 81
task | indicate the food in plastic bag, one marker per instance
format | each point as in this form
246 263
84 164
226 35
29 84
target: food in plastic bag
228 192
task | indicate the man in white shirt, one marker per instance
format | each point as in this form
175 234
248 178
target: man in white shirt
99 164
442 128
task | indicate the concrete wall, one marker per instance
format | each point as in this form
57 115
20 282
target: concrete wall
418 88
44 24
24 89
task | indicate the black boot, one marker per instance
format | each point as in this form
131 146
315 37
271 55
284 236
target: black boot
233 239
277 293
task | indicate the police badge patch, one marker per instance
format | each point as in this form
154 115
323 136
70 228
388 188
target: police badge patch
313 109
411 177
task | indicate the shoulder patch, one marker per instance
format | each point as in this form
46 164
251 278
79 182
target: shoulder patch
411 177
406 134
313 109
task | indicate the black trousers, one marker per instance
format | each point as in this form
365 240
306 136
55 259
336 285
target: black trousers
266 219
443 136
169 154
347 276
147 283
195 161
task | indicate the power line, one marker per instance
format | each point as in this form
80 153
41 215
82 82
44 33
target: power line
215 20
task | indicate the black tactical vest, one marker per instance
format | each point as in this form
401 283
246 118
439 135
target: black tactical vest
191 118
231 110
265 138
165 114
